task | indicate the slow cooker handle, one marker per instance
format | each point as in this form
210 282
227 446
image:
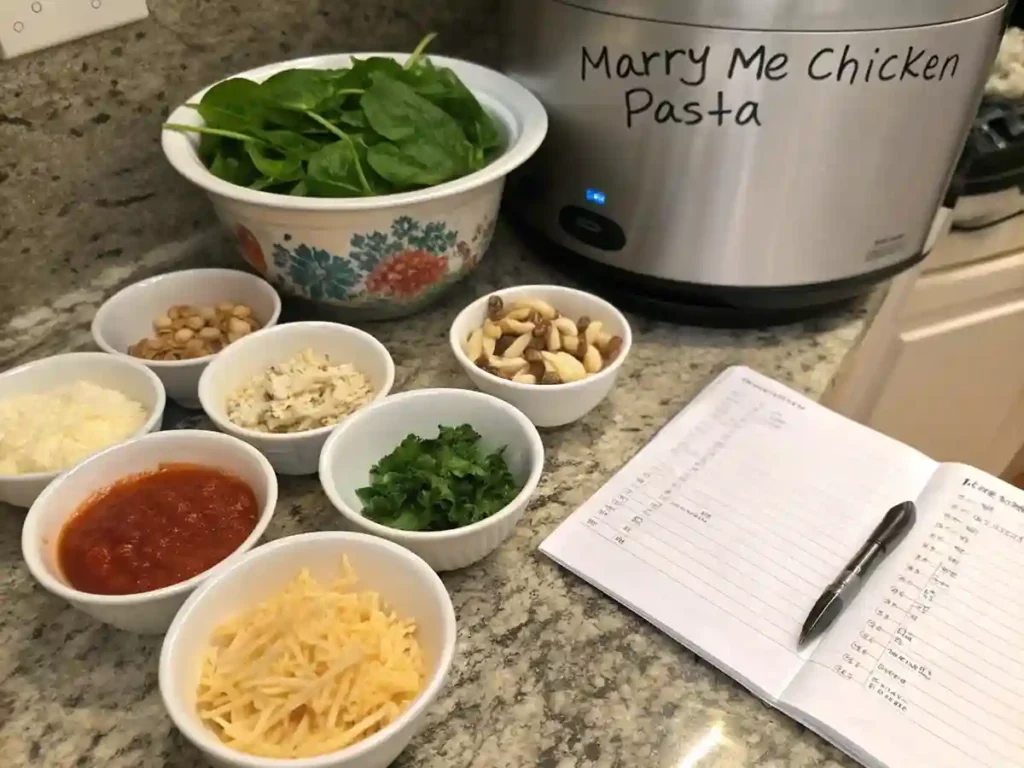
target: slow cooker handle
943 221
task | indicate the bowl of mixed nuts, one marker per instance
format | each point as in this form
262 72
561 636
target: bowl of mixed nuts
551 351
175 323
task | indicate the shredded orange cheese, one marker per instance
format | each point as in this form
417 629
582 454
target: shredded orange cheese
312 670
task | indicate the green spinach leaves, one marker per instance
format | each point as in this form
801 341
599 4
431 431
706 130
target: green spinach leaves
376 128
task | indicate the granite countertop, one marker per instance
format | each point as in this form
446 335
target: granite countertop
548 671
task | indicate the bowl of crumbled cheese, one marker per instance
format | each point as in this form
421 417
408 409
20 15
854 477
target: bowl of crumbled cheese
284 389
57 411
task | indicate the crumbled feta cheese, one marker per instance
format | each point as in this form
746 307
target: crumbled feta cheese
306 392
55 430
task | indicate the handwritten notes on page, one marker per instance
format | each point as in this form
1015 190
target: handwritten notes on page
726 527
934 648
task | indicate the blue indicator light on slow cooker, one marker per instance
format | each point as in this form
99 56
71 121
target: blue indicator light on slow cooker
595 196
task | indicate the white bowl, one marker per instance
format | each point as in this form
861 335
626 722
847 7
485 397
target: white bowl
128 316
295 453
125 375
146 612
550 405
405 583
351 254
366 438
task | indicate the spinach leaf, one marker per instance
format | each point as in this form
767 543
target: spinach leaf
397 112
234 168
353 118
209 147
438 484
290 143
417 163
298 89
334 171
359 76
233 105
374 128
274 164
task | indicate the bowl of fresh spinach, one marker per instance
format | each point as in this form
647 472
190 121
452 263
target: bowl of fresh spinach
447 473
366 184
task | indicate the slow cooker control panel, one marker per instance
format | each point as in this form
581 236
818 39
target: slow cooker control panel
591 228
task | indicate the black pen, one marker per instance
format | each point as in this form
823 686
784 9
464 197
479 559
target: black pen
890 532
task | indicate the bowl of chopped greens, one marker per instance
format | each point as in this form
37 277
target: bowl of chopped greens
366 184
446 473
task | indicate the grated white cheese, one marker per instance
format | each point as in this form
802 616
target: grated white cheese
306 392
55 430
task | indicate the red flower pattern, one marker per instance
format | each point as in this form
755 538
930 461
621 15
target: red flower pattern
407 274
251 249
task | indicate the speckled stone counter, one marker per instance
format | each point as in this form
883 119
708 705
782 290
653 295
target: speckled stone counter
548 671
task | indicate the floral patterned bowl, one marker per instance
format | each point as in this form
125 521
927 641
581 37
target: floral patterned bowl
378 257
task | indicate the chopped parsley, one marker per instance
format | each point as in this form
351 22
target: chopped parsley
438 484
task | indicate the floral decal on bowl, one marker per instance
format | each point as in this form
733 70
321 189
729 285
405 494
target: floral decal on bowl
316 273
406 264
251 250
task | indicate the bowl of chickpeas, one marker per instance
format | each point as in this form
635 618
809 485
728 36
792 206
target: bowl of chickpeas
177 322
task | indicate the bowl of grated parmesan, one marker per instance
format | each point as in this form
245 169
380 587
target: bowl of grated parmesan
376 621
284 389
57 411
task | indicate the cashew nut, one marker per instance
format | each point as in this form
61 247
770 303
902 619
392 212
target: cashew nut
515 327
593 329
565 326
475 344
539 306
592 360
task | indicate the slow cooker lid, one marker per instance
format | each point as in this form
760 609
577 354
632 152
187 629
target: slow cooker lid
794 15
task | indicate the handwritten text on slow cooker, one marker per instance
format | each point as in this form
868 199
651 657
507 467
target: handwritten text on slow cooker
692 67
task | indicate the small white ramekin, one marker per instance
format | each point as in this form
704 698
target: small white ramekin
549 405
122 374
145 612
406 585
364 439
128 315
295 453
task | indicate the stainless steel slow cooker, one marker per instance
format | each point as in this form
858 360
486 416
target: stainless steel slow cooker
755 157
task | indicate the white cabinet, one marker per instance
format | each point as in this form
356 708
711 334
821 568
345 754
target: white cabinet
942 366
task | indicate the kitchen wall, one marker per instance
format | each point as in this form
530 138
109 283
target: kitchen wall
83 183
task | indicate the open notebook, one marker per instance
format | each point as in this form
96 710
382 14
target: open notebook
727 526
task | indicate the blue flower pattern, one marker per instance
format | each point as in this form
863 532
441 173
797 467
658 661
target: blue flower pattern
317 272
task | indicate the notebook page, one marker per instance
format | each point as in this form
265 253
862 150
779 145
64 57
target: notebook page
927 666
726 527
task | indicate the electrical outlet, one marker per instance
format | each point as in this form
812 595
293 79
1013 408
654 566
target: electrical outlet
31 25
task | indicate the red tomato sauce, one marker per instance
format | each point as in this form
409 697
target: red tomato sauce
155 529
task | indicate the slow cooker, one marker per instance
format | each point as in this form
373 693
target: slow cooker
743 161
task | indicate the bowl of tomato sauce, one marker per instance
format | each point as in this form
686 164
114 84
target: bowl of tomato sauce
129 533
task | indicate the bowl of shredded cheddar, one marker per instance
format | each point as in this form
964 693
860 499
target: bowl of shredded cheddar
315 651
